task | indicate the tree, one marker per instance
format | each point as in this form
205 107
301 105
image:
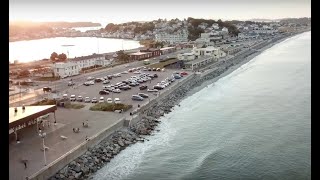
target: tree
53 56
24 73
62 57
122 57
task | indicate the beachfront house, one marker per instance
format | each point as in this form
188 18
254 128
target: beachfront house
65 69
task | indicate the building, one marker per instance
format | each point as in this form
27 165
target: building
154 52
137 56
186 56
233 49
90 61
209 39
264 30
65 69
209 51
172 38
167 50
199 62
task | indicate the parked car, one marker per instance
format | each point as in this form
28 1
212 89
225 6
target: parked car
125 87
117 100
101 100
73 97
90 78
143 95
109 100
158 87
94 100
158 69
152 90
184 73
125 72
106 82
143 87
155 75
136 72
103 92
71 83
116 91
109 77
177 76
154 69
87 100
137 98
46 89
91 82
80 98
97 80
86 83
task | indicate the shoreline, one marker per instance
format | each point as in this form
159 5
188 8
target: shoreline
87 164
47 60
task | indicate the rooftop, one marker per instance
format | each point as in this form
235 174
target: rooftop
165 48
199 59
30 113
138 53
87 57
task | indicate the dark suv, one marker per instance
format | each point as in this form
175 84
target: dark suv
103 92
143 87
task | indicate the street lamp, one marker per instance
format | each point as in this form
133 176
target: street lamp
43 135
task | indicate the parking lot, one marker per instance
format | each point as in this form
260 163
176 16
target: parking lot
124 96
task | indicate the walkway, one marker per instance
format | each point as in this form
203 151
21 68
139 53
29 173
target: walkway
31 143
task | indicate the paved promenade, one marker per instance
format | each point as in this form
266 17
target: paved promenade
31 143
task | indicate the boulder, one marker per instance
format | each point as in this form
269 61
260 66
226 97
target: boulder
78 175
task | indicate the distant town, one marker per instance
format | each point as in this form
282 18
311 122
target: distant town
172 31
158 37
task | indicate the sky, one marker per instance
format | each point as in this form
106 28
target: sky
120 11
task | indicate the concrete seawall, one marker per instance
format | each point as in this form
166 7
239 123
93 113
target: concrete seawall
64 160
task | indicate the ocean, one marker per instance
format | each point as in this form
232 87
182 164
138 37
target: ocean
254 123
25 51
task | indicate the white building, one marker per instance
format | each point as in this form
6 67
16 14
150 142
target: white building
208 38
90 61
199 62
172 38
209 51
215 25
73 66
186 56
66 69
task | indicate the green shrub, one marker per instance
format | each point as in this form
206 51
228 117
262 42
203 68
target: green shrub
109 107
45 102
73 106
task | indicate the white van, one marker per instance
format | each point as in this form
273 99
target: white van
101 100
117 101
65 96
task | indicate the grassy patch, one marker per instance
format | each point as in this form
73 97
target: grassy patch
47 79
44 102
109 107
73 106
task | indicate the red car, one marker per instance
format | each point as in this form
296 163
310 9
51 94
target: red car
184 73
